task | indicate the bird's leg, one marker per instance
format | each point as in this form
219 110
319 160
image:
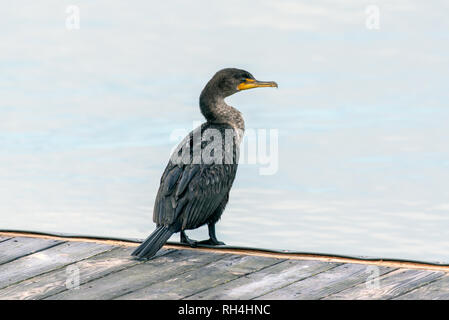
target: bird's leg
212 237
186 240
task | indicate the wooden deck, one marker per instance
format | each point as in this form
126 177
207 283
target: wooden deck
44 267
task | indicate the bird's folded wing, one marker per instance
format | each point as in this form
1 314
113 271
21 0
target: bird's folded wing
189 194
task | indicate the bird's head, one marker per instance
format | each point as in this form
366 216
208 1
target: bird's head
230 80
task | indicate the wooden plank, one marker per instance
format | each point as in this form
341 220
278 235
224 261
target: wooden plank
54 282
436 290
266 280
141 275
4 238
327 283
391 285
47 260
17 247
211 275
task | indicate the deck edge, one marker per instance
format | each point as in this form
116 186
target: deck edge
241 251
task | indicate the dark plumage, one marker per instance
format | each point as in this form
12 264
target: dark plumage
195 185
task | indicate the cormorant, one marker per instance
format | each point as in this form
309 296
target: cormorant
195 185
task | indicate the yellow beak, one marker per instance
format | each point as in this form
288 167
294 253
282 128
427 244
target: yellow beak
251 83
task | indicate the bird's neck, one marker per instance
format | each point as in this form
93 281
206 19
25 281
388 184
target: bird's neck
215 110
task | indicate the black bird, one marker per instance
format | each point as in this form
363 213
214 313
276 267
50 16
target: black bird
195 185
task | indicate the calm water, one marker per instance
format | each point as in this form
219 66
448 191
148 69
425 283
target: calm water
362 117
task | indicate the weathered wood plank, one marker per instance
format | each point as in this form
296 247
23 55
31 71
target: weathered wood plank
436 290
141 275
47 260
390 285
37 268
54 282
327 283
4 238
211 275
14 248
266 280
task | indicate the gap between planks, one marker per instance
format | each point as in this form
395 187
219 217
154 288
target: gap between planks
250 252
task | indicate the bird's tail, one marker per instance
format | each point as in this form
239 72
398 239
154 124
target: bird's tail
153 243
